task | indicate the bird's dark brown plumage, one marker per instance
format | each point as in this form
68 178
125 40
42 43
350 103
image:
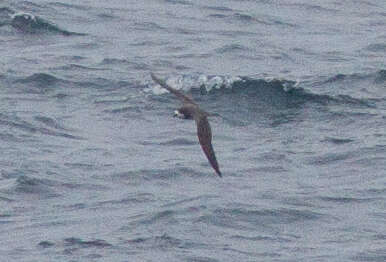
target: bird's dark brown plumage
191 110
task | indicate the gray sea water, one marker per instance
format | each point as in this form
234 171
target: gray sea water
94 167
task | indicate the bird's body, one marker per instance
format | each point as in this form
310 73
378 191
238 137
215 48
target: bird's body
190 110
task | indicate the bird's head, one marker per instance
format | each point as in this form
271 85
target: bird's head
178 114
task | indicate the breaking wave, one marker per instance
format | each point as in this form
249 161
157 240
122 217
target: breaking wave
265 88
30 24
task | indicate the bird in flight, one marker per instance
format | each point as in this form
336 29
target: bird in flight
190 110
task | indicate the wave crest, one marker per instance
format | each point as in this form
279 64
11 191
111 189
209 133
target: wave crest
32 24
267 89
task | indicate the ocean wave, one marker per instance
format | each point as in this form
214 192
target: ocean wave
271 90
69 6
338 141
362 89
330 159
39 79
34 24
78 242
159 242
377 47
166 175
202 82
248 19
50 122
180 2
231 48
376 77
123 62
29 23
74 244
53 127
44 83
178 142
131 199
295 94
246 218
46 244
26 184
212 83
346 200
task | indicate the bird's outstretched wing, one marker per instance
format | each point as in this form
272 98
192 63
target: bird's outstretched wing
204 134
180 95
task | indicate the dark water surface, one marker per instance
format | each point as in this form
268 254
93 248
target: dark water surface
95 168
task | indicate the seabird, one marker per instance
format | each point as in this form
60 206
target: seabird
190 110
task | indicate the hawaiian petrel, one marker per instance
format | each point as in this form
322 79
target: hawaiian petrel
190 110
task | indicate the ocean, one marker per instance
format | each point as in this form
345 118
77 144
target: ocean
94 167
